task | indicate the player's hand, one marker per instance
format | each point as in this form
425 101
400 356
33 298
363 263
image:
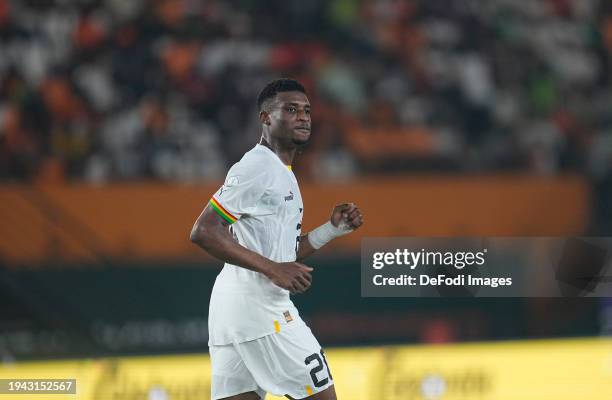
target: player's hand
293 276
347 214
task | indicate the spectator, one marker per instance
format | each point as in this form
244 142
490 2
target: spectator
154 89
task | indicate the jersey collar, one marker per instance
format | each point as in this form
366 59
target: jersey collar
276 157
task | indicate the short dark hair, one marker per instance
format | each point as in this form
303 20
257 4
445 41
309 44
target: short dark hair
277 86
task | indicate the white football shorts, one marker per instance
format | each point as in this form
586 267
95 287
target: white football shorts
289 362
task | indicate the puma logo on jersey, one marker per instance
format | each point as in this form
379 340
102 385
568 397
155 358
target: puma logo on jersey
290 197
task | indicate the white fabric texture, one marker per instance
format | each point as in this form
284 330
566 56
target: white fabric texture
263 194
275 363
320 236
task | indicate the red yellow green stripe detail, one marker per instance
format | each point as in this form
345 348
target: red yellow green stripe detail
226 215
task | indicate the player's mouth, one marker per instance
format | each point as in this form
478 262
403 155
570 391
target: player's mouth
302 135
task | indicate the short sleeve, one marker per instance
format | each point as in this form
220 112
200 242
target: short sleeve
240 194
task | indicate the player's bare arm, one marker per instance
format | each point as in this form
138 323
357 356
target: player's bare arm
345 218
211 233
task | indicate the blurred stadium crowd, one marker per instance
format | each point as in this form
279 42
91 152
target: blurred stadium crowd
100 90
103 91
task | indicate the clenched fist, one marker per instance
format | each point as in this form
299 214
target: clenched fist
347 214
293 276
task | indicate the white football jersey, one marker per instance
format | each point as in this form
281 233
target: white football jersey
262 201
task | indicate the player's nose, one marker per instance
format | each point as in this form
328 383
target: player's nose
303 116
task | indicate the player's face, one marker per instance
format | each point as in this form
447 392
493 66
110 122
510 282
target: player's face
290 118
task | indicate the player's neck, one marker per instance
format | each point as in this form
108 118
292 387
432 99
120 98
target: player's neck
285 154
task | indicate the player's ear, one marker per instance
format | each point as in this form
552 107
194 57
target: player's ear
264 117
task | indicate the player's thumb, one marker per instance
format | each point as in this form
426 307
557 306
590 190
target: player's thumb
303 266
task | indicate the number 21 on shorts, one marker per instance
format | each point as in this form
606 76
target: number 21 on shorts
318 367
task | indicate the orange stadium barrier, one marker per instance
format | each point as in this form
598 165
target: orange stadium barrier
149 221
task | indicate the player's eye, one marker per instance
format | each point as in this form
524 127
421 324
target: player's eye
291 109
